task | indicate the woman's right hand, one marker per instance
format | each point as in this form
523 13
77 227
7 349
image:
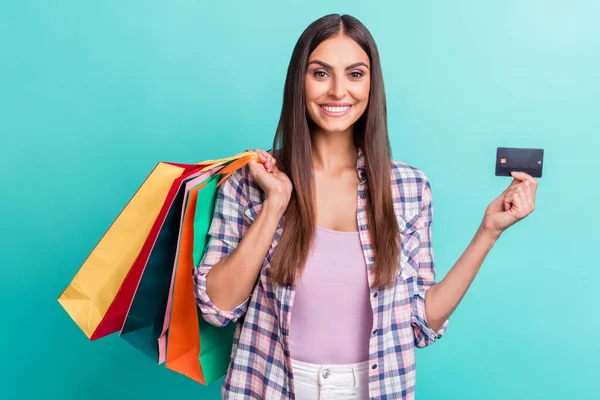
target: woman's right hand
276 185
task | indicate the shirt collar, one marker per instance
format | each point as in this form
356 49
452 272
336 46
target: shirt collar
361 169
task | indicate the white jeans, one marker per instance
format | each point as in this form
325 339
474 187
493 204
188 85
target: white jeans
324 382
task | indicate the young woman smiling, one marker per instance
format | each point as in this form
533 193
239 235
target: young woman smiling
322 251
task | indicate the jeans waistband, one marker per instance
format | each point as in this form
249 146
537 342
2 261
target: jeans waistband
332 374
340 368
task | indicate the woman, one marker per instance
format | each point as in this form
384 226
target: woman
321 252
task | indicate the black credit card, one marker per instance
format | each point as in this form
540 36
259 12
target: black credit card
530 161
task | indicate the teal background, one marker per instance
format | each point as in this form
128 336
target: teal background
93 94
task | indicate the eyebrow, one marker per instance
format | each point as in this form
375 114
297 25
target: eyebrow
351 66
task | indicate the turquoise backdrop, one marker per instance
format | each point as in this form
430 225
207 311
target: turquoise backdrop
93 94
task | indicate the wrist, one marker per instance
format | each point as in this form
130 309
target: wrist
488 232
275 206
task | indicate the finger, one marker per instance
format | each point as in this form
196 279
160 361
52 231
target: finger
510 189
522 176
268 157
510 200
265 159
270 163
532 189
514 183
261 155
516 201
257 165
509 196
530 194
523 192
265 155
519 203
527 189
522 207
506 202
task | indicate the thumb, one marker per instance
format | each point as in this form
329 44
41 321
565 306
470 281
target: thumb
514 183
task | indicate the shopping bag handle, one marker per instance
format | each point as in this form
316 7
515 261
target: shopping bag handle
235 162
210 164
234 166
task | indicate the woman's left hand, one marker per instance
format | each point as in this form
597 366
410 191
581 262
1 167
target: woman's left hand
514 204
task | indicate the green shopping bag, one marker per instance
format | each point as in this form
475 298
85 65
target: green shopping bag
215 343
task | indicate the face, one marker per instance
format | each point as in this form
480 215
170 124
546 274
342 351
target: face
337 83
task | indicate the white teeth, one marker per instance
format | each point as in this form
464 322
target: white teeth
335 109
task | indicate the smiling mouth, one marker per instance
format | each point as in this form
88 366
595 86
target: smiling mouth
335 111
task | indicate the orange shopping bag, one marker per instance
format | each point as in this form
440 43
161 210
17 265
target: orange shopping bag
195 348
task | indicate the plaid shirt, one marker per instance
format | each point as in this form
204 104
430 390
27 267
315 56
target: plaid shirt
260 366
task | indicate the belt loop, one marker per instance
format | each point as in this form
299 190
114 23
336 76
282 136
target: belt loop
355 375
320 377
319 384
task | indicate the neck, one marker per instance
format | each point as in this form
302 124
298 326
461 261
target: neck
333 150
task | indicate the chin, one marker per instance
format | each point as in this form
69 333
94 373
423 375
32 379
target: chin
335 128
340 125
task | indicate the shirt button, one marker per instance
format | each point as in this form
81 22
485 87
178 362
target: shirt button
363 196
326 374
374 366
375 294
375 331
363 227
370 258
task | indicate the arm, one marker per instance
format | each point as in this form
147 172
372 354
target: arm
235 253
433 303
444 297
426 330
513 204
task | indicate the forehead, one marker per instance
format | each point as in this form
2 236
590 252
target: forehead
339 50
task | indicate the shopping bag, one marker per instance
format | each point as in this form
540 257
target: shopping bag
195 348
100 294
143 324
150 295
115 315
188 211
89 295
215 343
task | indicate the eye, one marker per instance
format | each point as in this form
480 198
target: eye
356 74
319 74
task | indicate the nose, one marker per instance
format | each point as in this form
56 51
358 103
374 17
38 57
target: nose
337 90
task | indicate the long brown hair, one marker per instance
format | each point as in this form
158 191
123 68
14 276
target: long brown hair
293 151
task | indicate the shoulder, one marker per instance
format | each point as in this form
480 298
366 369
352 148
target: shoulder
410 187
407 174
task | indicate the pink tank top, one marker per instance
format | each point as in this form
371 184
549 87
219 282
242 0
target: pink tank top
332 317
